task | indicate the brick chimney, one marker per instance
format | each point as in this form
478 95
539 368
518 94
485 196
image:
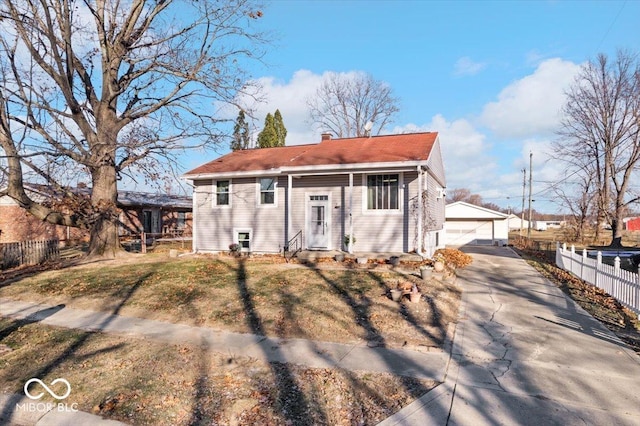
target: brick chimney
326 136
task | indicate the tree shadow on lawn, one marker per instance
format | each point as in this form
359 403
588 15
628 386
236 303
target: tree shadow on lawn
361 314
30 319
13 275
367 391
291 401
436 317
67 354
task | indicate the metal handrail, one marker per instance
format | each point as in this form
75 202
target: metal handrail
293 246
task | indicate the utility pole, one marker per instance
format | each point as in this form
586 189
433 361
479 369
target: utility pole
524 186
530 182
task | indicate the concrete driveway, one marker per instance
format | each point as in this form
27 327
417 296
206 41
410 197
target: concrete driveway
525 354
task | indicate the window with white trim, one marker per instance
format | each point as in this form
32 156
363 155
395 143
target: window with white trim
383 192
222 196
243 237
268 191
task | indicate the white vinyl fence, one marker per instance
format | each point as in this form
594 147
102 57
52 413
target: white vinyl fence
619 283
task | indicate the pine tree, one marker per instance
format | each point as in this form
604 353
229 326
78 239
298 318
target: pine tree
240 133
281 131
268 137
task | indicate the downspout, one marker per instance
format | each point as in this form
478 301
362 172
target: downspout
420 236
350 248
289 197
194 228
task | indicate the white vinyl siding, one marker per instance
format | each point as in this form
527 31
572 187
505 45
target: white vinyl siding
434 205
377 230
384 231
215 230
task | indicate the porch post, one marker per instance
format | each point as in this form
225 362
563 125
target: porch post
350 248
420 247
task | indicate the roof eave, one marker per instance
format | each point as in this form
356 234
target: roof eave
312 169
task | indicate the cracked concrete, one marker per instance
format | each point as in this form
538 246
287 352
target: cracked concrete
524 354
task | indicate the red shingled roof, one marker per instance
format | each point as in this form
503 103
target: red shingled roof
376 149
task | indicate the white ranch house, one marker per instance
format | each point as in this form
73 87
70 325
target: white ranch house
386 191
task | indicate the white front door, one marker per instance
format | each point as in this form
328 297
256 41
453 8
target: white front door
318 222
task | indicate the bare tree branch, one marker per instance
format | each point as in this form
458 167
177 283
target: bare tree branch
108 88
601 130
344 103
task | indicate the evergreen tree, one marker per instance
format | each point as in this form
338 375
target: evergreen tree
281 131
240 133
268 137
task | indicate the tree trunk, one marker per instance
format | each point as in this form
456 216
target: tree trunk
104 241
616 230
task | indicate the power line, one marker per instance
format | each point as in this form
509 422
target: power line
612 24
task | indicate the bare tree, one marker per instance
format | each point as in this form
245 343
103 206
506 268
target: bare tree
458 194
465 195
579 197
111 88
601 126
344 103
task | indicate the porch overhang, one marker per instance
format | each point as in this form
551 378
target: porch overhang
334 169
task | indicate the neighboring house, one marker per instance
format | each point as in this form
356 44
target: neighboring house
468 224
517 223
386 191
18 225
152 213
543 225
168 215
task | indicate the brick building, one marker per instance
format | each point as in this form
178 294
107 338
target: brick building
158 214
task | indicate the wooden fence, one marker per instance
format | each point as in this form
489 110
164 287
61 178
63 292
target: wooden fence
28 253
622 284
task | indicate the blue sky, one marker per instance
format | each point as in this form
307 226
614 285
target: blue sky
489 76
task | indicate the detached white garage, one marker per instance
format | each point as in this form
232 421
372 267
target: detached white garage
467 224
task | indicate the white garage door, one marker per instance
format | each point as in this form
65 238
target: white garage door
469 232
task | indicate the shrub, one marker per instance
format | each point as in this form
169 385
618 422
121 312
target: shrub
346 240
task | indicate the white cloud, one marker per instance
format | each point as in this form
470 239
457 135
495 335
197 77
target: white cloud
464 151
531 106
523 112
466 66
290 98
